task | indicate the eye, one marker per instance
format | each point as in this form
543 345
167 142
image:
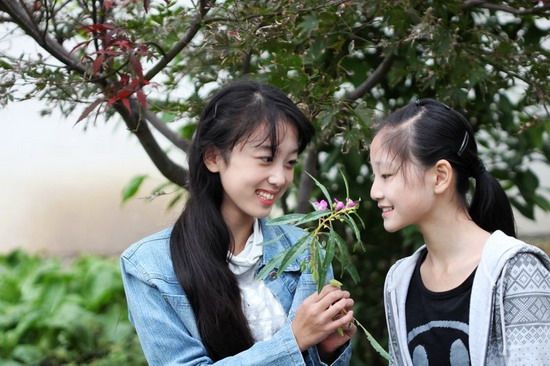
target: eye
385 176
266 159
292 163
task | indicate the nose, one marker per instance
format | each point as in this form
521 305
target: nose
375 191
278 176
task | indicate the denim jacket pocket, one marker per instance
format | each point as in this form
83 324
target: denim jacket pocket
183 309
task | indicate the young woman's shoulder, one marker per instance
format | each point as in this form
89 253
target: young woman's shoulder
149 258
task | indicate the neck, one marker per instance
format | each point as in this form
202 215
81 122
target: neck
454 240
240 232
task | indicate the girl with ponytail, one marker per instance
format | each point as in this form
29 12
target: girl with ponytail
192 290
473 294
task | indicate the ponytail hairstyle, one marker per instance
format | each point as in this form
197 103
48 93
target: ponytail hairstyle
426 131
200 240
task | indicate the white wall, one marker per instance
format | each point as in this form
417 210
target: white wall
60 186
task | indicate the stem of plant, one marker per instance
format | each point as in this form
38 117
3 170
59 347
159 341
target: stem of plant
374 343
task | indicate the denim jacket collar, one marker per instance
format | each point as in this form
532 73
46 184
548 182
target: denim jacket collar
278 238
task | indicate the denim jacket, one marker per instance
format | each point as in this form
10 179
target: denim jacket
164 320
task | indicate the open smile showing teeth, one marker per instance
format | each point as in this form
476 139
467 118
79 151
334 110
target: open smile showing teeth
265 195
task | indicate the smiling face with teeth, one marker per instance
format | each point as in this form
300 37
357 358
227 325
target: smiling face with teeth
402 190
253 179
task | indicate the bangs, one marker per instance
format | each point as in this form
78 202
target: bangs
398 142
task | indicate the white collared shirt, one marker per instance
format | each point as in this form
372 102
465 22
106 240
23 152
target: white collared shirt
263 311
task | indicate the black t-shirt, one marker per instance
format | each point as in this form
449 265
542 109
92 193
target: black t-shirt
437 322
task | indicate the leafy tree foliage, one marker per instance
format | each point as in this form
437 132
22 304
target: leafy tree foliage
346 62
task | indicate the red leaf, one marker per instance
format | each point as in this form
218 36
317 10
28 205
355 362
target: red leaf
107 4
123 94
123 44
80 45
141 98
108 52
89 109
126 103
136 65
96 28
98 62
124 79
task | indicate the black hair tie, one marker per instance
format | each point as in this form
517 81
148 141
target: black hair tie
479 170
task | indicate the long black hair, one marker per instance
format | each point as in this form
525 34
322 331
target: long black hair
200 239
426 131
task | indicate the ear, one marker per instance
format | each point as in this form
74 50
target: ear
212 159
443 176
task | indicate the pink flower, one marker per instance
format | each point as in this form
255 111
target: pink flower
338 205
350 203
321 205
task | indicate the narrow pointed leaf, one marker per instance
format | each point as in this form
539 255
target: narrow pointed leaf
345 258
89 109
345 183
321 270
131 189
272 264
373 342
353 225
312 216
286 219
293 252
322 188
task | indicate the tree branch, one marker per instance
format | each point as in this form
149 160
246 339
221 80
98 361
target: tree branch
137 125
372 80
178 47
306 183
21 18
161 127
505 8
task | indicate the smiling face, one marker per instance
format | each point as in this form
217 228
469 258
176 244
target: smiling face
402 191
252 178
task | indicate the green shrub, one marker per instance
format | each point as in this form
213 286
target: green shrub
55 314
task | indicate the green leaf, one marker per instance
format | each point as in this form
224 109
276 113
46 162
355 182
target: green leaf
132 187
542 202
330 250
271 265
312 216
286 219
322 188
345 182
175 200
293 252
373 342
188 130
28 354
347 218
344 257
308 25
320 272
5 65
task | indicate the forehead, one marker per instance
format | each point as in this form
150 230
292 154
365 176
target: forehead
262 137
380 155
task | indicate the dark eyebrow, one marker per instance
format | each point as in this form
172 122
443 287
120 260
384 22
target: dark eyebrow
266 147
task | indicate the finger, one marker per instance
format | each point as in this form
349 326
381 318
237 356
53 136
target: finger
327 289
352 330
332 297
344 321
338 309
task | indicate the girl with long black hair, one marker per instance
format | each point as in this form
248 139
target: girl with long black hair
192 290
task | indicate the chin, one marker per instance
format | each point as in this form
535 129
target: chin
391 229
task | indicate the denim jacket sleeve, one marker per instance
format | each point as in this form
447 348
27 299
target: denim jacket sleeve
166 326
